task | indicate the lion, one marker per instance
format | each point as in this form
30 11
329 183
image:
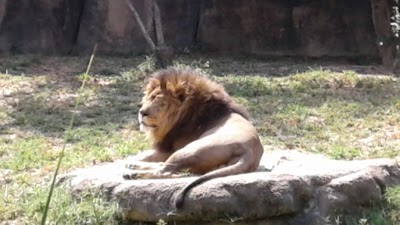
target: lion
193 125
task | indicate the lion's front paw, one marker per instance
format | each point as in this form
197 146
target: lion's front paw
130 175
132 166
152 174
138 165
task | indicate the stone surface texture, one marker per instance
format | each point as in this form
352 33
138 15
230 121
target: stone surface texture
42 26
337 28
290 187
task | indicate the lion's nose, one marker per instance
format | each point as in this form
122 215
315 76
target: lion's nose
143 112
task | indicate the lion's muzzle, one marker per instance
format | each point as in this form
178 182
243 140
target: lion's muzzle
144 127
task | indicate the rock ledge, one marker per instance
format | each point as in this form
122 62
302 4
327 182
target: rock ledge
302 188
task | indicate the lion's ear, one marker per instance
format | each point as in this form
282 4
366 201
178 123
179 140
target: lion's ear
183 91
180 94
181 97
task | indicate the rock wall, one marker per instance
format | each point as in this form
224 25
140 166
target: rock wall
111 24
41 26
266 27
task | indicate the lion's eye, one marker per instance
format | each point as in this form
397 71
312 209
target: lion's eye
152 97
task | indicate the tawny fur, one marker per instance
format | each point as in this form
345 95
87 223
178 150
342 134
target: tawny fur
194 125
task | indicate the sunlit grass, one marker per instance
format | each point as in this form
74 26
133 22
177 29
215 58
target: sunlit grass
343 115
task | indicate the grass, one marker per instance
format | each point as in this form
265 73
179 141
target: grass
338 110
341 114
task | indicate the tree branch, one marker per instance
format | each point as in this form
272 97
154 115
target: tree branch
158 25
139 21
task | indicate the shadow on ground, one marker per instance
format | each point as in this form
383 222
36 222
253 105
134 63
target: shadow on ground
111 100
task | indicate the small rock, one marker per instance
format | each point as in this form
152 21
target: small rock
4 176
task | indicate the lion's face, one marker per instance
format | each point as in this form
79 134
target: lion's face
158 110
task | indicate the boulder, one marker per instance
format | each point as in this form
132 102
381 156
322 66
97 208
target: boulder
290 187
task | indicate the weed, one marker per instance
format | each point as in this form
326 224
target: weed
393 196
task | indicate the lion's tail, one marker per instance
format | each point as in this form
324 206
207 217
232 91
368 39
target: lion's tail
237 168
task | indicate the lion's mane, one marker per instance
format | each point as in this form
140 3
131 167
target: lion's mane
204 103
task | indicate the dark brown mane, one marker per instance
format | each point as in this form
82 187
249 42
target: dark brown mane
204 104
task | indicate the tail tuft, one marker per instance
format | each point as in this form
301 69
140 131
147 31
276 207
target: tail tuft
179 199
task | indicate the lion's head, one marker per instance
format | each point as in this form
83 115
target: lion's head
179 105
159 108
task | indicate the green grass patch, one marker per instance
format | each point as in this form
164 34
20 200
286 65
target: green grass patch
27 154
24 204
